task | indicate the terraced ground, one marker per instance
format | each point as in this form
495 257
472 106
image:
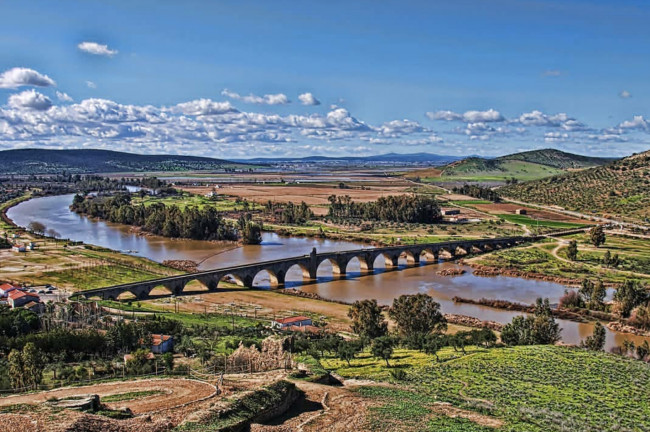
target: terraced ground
620 189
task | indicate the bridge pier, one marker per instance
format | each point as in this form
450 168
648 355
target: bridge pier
210 282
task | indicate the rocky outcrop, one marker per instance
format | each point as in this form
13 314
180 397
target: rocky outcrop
622 327
451 272
469 321
183 265
82 403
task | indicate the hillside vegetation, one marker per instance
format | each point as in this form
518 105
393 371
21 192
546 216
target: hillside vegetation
557 159
529 165
621 189
41 161
527 388
497 169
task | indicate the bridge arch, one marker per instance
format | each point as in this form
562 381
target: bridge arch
385 260
210 282
232 278
160 290
327 262
447 253
359 262
268 278
126 296
429 255
409 258
296 274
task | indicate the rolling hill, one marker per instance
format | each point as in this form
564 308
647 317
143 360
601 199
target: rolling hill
621 189
86 161
529 165
557 159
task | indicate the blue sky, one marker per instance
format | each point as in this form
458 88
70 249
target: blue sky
191 77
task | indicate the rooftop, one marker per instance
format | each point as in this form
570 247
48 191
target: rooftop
290 320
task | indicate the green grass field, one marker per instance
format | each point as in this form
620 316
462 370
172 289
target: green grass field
528 221
481 170
186 200
633 252
538 259
531 389
470 202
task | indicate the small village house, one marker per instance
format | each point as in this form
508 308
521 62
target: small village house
521 211
161 344
284 323
19 298
6 288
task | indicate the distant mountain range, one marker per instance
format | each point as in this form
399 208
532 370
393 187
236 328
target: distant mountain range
410 158
526 165
43 161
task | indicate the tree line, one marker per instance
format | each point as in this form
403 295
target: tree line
166 220
477 192
402 208
289 213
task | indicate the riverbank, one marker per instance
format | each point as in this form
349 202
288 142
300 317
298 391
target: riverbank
71 266
577 315
547 261
489 271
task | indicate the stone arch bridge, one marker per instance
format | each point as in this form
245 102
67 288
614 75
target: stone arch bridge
277 269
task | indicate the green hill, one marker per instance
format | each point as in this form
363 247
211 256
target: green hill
529 165
42 161
557 159
621 189
478 169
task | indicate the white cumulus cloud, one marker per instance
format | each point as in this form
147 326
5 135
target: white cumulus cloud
308 99
63 97
18 77
205 107
490 115
267 99
95 48
638 122
30 99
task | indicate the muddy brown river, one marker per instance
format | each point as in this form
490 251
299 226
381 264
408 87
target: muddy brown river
54 213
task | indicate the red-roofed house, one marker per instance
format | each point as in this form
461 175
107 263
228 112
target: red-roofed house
21 298
6 288
161 344
297 321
